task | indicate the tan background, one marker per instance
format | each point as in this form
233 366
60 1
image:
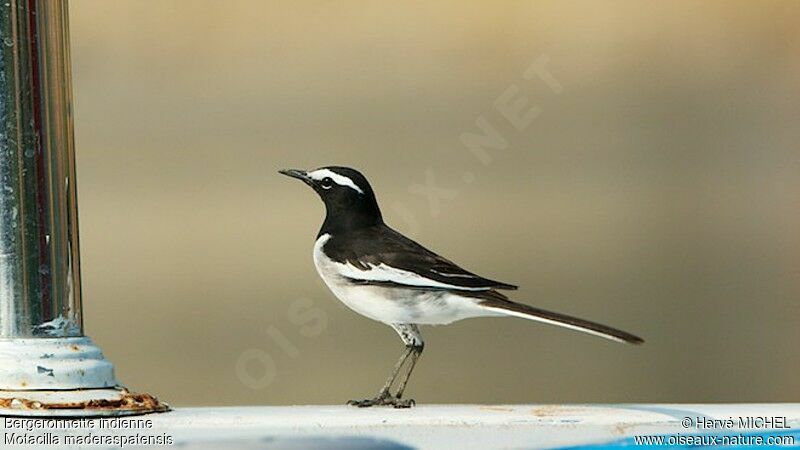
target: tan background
657 192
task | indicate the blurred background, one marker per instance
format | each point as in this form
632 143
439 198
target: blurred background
656 190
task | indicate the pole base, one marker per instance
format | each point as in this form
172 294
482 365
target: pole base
64 377
54 363
78 403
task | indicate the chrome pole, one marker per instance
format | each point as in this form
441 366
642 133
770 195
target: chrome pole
47 366
40 285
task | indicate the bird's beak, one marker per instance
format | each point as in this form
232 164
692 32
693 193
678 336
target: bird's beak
296 173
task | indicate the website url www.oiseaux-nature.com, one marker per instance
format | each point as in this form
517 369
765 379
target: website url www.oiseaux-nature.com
705 440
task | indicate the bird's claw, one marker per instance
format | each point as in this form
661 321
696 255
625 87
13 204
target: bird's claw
385 399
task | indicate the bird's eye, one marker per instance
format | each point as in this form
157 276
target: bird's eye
326 183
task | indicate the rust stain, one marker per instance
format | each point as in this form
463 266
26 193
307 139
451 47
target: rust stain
74 348
622 428
496 408
555 410
546 410
127 402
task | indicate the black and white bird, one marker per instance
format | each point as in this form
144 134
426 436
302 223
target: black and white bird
383 275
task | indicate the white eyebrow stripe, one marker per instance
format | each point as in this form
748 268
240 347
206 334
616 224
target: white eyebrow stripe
338 179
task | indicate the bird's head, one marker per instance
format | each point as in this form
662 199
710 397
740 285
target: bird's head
348 197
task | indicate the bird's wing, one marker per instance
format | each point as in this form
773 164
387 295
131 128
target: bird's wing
381 256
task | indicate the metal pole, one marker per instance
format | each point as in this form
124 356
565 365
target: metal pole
47 366
40 285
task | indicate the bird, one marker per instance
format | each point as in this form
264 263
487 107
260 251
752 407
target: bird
387 277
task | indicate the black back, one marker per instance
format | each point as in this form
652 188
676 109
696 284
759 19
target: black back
360 237
379 244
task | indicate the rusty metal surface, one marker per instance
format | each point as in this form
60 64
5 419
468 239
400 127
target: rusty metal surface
87 402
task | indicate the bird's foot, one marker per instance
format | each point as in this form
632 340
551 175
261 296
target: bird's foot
383 399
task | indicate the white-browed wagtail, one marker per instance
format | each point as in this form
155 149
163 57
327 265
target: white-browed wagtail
383 275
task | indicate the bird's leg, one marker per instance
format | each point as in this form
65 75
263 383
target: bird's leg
384 392
416 353
385 397
411 336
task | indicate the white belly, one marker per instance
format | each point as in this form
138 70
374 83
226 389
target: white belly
394 305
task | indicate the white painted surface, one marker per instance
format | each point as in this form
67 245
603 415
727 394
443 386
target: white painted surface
53 363
442 426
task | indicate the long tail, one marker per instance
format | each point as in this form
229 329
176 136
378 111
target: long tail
504 306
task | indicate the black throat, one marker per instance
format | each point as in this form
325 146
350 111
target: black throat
351 213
